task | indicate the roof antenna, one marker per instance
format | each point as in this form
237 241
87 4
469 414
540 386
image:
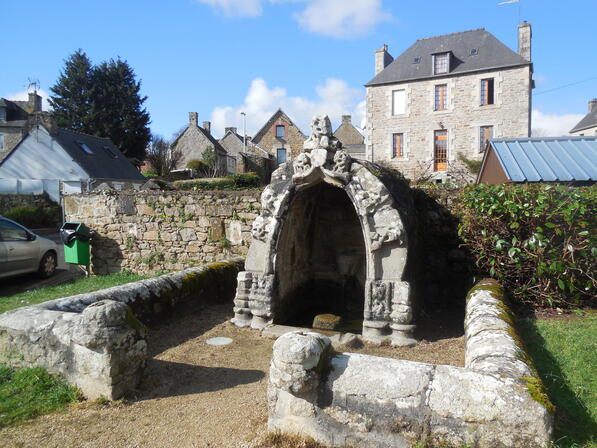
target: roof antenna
32 84
513 1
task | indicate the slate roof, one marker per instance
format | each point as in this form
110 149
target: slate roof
547 159
490 54
101 164
588 121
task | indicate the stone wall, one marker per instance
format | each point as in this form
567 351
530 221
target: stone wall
95 340
496 400
153 231
509 116
9 201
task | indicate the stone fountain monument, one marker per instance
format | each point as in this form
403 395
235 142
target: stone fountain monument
333 233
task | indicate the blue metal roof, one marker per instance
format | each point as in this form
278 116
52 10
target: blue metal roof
547 159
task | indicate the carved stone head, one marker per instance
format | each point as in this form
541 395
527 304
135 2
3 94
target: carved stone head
321 125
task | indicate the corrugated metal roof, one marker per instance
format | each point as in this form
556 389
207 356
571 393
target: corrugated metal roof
548 159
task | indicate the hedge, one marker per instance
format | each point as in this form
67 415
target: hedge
35 217
539 240
234 182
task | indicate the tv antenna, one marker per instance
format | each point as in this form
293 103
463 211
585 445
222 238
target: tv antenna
508 2
32 84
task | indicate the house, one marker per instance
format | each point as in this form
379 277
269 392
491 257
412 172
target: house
59 161
570 160
588 125
280 137
444 97
16 118
194 140
351 138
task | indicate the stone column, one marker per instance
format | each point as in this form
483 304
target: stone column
242 312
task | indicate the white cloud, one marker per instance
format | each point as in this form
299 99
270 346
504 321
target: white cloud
341 18
552 125
334 97
24 96
335 18
236 8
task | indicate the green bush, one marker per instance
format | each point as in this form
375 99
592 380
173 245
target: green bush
35 217
198 165
538 240
234 182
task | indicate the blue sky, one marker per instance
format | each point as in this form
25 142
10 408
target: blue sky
218 57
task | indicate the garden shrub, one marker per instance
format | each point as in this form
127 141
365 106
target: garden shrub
538 240
198 165
35 217
234 182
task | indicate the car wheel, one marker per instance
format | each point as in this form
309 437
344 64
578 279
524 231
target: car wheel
48 264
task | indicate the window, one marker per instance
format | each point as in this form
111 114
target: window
281 155
110 152
487 91
485 133
12 232
441 97
440 150
398 102
397 146
85 148
280 131
1 141
441 63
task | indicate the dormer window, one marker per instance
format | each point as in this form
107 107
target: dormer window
441 63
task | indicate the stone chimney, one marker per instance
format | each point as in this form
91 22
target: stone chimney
346 119
34 103
207 126
593 105
193 118
231 129
382 59
524 40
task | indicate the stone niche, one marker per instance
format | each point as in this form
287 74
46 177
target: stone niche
333 236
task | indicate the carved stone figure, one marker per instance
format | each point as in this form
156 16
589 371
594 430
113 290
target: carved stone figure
261 228
341 162
322 136
380 298
302 164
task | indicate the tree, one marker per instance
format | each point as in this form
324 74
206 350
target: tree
102 100
71 99
210 158
161 156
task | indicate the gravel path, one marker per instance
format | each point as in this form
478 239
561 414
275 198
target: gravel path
193 394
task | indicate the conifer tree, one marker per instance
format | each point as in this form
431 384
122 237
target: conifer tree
71 99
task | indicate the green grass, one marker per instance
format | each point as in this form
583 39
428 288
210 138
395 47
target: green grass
78 286
564 351
27 393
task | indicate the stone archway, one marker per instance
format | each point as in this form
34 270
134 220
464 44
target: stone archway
387 313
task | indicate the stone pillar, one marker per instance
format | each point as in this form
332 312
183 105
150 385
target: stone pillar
260 300
524 40
242 312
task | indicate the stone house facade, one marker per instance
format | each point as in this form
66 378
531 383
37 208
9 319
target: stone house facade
194 140
280 137
353 141
444 97
588 124
15 121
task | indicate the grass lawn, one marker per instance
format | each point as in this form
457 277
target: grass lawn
564 350
78 286
27 393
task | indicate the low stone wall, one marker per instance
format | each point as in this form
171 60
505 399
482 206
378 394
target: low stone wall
156 231
9 201
367 401
95 340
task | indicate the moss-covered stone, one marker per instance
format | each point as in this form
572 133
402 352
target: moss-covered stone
537 390
327 322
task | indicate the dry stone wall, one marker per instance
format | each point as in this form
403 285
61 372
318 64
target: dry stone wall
153 231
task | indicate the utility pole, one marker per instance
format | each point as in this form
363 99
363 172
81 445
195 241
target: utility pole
244 132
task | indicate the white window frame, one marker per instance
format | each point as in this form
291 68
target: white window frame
435 56
393 102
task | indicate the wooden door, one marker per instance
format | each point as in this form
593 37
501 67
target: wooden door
440 150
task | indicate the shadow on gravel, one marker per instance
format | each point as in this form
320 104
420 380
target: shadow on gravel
169 379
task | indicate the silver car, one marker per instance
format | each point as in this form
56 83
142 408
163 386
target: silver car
22 251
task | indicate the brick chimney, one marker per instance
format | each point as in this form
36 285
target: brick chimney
34 103
382 58
193 118
593 105
346 119
231 129
207 126
525 35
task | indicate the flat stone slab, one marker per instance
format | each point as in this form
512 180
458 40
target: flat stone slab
220 340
